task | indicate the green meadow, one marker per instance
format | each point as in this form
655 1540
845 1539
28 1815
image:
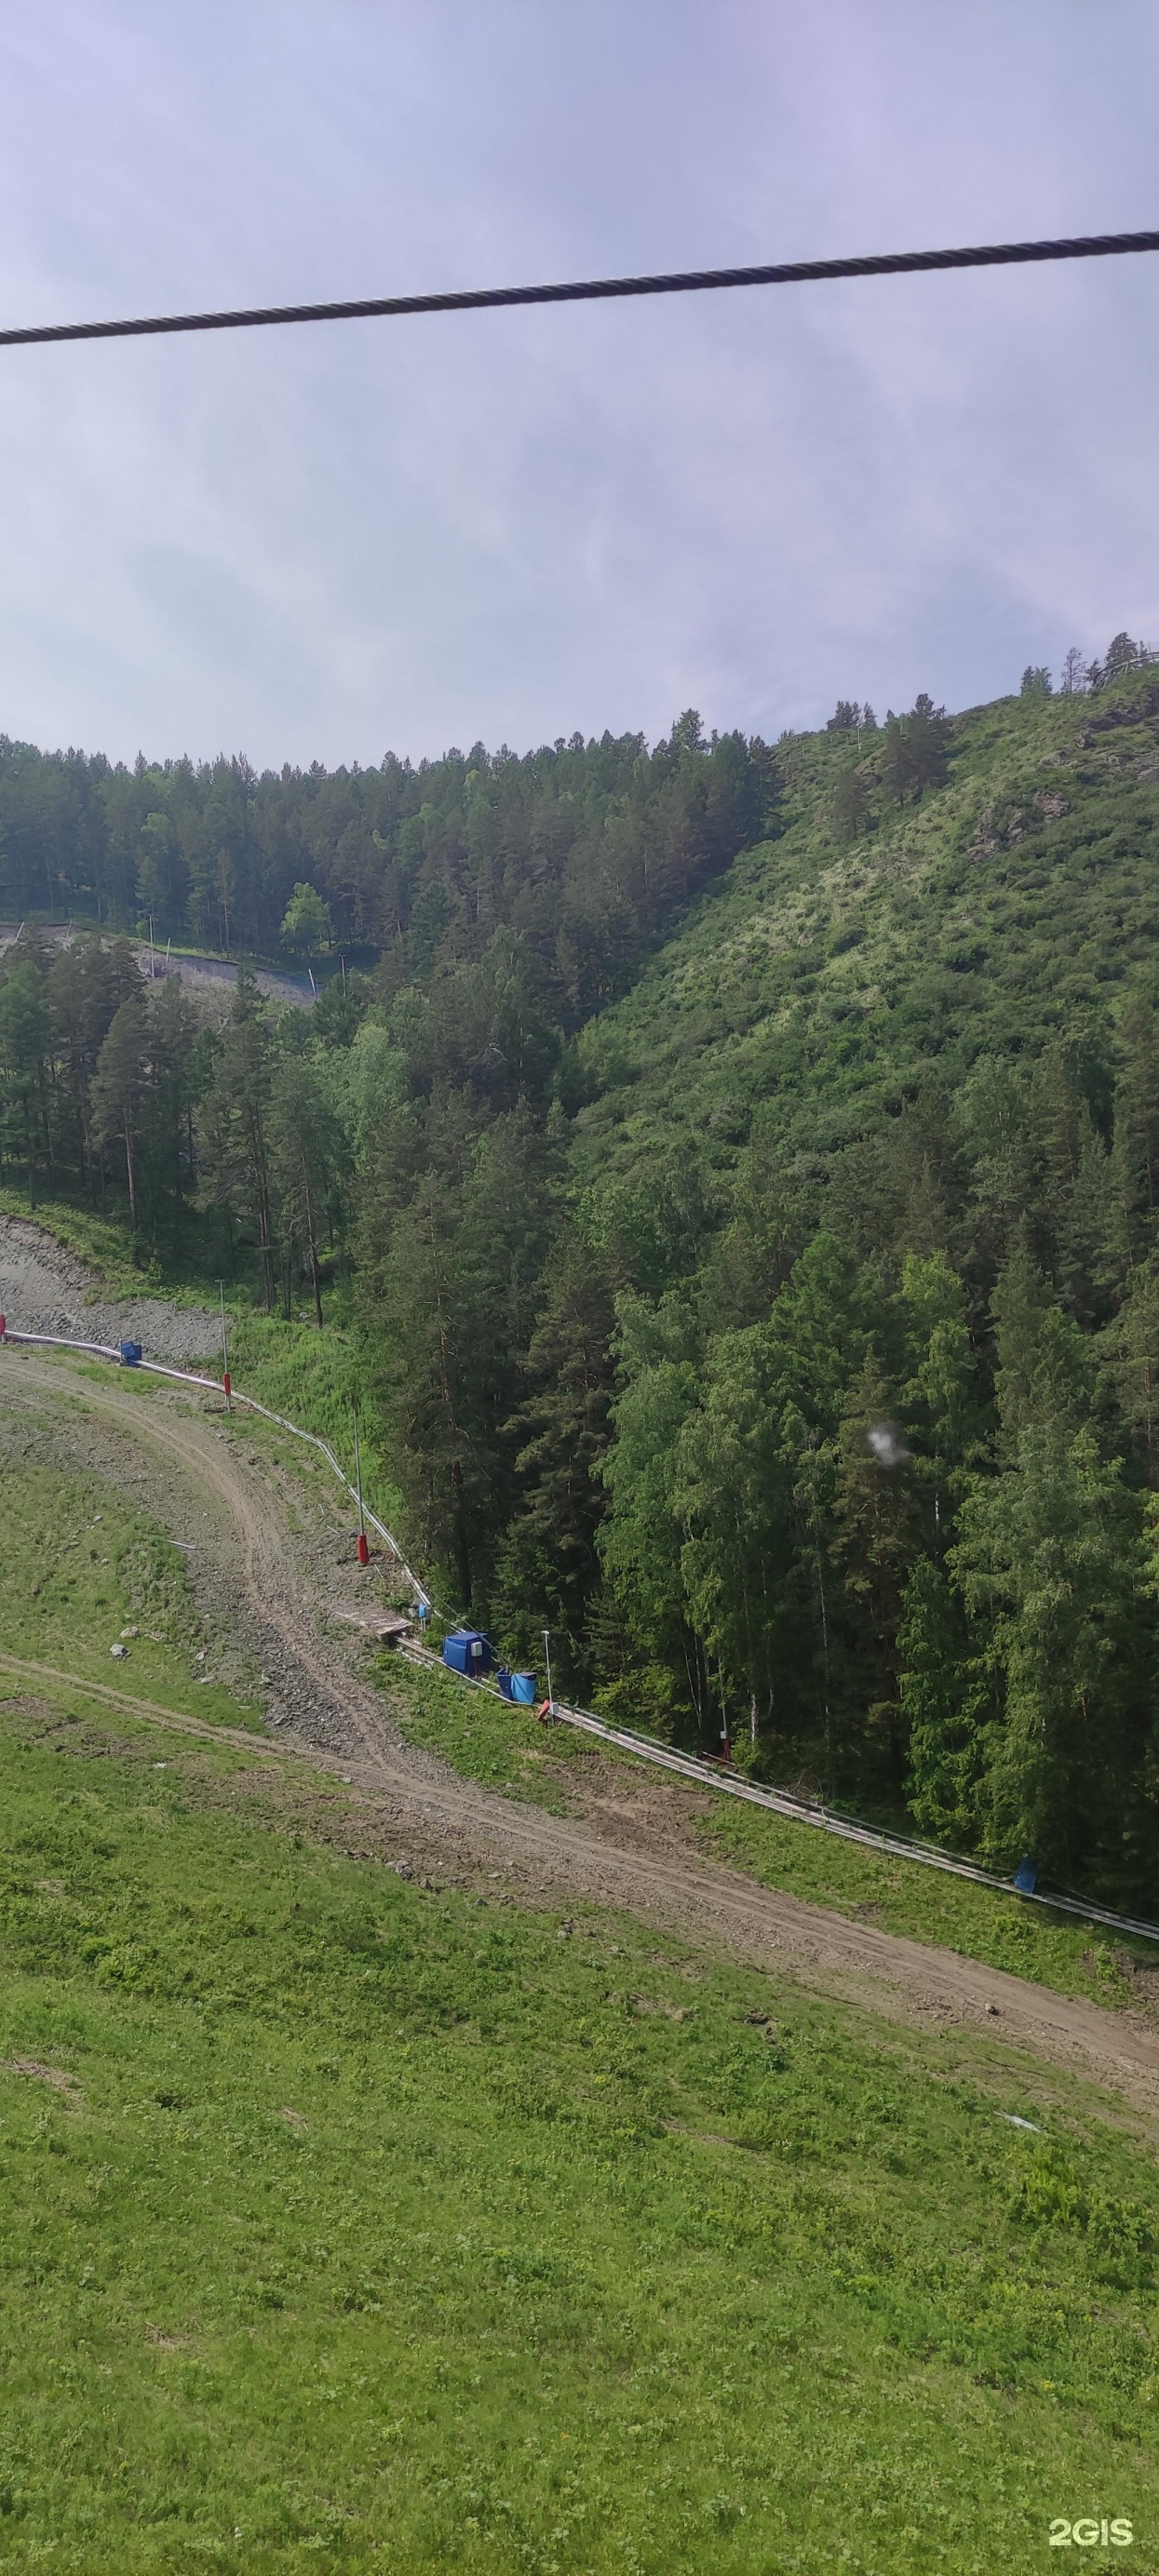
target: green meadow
354 2220
507 1749
83 1570
391 2226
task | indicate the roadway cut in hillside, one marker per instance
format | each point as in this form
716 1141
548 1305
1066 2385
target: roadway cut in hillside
338 1723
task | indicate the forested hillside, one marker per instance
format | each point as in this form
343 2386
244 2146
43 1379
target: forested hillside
586 849
740 1171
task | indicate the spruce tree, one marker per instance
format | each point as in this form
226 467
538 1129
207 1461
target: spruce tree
120 1084
947 1701
550 1571
876 1523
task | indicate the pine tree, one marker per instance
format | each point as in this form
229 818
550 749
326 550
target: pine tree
550 1570
25 1040
234 1147
915 753
1131 1343
641 1538
1044 1367
850 803
947 1704
749 1261
306 1157
1135 1151
939 1393
418 1369
120 1085
875 1533
733 1496
1051 1555
177 1053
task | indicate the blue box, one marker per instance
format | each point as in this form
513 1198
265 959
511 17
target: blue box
467 1650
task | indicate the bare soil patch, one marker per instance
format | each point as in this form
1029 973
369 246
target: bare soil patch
44 1289
40 2074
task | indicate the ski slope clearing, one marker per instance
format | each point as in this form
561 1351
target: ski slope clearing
278 1588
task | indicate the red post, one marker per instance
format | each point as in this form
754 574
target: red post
363 1550
3 1326
226 1385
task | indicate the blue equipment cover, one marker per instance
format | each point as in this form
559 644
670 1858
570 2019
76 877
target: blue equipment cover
130 1353
467 1650
523 1689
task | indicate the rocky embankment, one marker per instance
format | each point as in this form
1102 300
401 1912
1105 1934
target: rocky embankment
44 1289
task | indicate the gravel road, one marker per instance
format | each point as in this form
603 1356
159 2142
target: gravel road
43 1289
289 1585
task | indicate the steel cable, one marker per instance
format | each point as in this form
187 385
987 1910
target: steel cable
691 281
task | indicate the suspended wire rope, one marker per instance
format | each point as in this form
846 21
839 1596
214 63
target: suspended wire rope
692 281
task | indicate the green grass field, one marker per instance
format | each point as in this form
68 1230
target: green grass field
929 1905
487 1739
312 1378
391 2228
79 1568
506 1749
356 2221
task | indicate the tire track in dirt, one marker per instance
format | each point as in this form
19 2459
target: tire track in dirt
883 1971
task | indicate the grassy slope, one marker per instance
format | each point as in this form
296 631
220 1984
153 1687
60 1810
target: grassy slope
393 2228
825 977
504 1748
77 1566
68 1584
313 1379
80 1604
102 1246
928 1905
485 1738
381 2225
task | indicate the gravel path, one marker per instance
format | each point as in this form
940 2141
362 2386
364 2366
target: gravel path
338 1722
44 1289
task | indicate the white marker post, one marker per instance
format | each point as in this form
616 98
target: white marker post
547 1660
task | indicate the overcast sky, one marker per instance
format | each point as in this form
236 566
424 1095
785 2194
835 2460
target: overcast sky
318 543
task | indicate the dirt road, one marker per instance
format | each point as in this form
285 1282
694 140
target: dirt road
347 1731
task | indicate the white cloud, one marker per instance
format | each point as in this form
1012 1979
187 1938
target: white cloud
316 543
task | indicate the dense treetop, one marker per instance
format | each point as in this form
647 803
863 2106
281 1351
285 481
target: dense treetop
586 849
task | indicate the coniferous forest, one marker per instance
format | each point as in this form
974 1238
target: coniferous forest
739 1165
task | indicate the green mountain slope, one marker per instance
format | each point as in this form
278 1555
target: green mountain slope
873 1159
830 975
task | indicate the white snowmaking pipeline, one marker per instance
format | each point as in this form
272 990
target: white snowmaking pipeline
213 1386
643 1747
